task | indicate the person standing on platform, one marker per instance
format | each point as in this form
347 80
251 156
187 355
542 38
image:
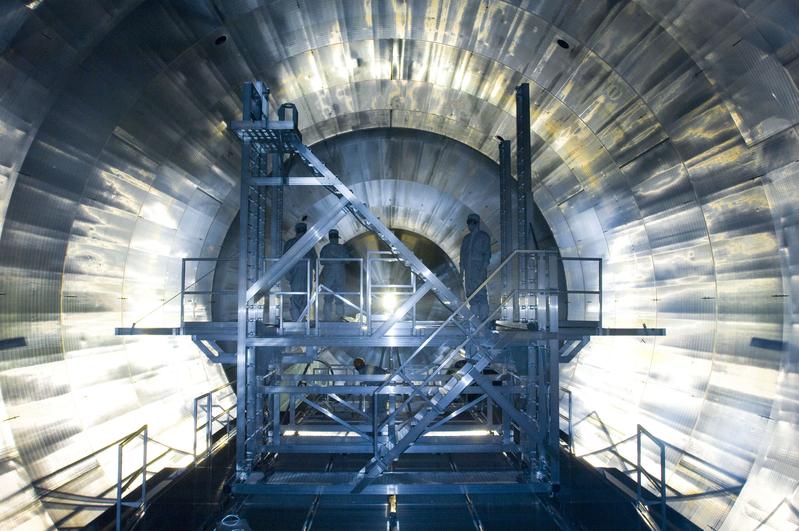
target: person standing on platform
299 273
333 276
475 256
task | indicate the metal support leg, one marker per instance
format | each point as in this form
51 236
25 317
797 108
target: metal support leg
505 216
523 169
243 458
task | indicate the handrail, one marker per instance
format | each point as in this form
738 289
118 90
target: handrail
103 500
663 497
337 294
210 418
141 502
449 319
373 289
82 459
639 497
440 365
461 307
125 439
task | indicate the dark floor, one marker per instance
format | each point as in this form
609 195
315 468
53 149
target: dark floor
198 500
195 499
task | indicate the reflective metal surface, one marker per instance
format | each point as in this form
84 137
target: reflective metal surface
665 139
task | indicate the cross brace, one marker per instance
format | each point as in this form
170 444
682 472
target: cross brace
462 316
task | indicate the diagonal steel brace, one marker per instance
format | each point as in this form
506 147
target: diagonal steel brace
279 269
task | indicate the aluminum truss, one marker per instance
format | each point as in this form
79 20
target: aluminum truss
493 384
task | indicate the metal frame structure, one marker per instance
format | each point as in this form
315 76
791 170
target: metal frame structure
650 489
524 191
458 385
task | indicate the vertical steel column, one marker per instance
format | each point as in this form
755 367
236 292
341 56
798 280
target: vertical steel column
243 461
552 263
255 397
276 209
256 108
252 251
258 242
524 200
542 413
275 252
531 449
505 219
523 162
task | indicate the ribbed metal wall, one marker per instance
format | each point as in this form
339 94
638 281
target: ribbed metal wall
664 137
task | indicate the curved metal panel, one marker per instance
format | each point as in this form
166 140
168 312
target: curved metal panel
664 140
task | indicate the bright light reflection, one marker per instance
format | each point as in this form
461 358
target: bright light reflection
442 433
390 301
459 433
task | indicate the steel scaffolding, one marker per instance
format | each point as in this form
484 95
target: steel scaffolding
460 384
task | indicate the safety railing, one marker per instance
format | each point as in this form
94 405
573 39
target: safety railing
580 297
584 288
276 297
661 483
716 480
326 295
214 413
376 301
390 294
142 501
61 496
211 293
56 488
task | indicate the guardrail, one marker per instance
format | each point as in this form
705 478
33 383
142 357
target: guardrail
396 293
184 289
206 401
102 501
114 495
141 503
714 475
640 470
330 296
584 295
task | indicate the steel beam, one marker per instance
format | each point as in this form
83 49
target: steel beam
214 353
279 269
571 348
505 210
525 423
367 218
523 163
